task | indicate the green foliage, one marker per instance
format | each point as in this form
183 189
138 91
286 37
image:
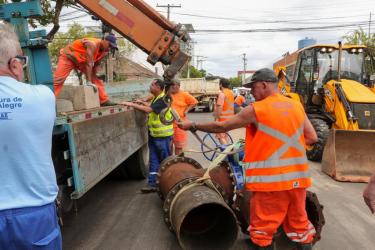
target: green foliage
360 36
194 73
235 82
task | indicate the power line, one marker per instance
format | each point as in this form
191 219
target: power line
266 21
278 29
168 6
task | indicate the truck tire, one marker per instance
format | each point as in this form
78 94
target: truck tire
315 151
211 105
137 164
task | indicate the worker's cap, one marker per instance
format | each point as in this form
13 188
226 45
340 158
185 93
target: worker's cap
262 75
111 38
176 81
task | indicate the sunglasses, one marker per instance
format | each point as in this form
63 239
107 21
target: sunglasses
24 60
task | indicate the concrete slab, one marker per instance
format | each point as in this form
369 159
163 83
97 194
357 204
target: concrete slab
83 97
63 105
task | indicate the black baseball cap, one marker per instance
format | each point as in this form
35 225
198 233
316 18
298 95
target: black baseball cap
262 75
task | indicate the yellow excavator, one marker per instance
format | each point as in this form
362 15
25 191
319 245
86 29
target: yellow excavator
335 83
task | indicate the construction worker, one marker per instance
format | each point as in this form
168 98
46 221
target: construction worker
275 163
160 135
182 103
224 107
239 102
85 55
369 194
28 187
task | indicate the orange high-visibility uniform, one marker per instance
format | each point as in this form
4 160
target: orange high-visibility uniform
276 170
228 105
240 100
181 101
74 56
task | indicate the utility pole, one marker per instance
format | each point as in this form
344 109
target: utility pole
369 27
200 60
191 52
244 68
168 6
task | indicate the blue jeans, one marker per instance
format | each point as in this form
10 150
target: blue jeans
31 228
160 148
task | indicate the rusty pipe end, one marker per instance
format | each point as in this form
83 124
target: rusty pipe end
202 220
173 170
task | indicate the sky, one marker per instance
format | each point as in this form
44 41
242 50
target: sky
264 30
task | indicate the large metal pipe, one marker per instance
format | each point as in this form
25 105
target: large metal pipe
173 170
199 214
201 219
196 211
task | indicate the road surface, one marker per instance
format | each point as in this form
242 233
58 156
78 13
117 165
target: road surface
115 215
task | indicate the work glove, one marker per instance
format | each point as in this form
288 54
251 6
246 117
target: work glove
93 86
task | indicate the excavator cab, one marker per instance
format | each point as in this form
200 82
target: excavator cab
335 84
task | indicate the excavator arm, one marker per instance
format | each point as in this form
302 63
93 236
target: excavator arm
146 28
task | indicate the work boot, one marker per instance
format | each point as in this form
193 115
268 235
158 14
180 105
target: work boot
148 189
304 246
108 103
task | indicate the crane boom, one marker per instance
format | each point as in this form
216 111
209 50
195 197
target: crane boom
147 29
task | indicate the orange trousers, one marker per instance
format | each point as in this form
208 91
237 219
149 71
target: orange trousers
63 69
269 210
180 137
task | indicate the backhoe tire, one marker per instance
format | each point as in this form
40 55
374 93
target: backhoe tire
315 151
137 164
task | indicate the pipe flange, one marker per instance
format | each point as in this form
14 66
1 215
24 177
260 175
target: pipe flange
169 161
317 207
174 191
231 177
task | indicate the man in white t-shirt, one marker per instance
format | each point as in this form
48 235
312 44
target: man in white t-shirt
28 187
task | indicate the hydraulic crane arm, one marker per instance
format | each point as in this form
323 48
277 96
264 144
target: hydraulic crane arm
147 29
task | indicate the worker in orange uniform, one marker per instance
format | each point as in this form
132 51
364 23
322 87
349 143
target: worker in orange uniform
224 108
275 163
182 103
239 102
85 55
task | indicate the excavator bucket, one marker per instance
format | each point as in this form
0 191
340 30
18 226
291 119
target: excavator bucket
349 155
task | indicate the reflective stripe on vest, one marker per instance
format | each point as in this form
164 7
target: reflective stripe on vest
155 126
277 178
275 161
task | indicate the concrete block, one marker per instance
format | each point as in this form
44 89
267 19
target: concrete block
83 97
63 105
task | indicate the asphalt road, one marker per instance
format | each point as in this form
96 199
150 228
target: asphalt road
115 215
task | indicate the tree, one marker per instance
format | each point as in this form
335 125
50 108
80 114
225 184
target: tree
359 36
194 73
235 82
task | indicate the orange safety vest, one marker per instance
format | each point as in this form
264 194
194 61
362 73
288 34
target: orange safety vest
228 106
240 100
275 158
77 51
